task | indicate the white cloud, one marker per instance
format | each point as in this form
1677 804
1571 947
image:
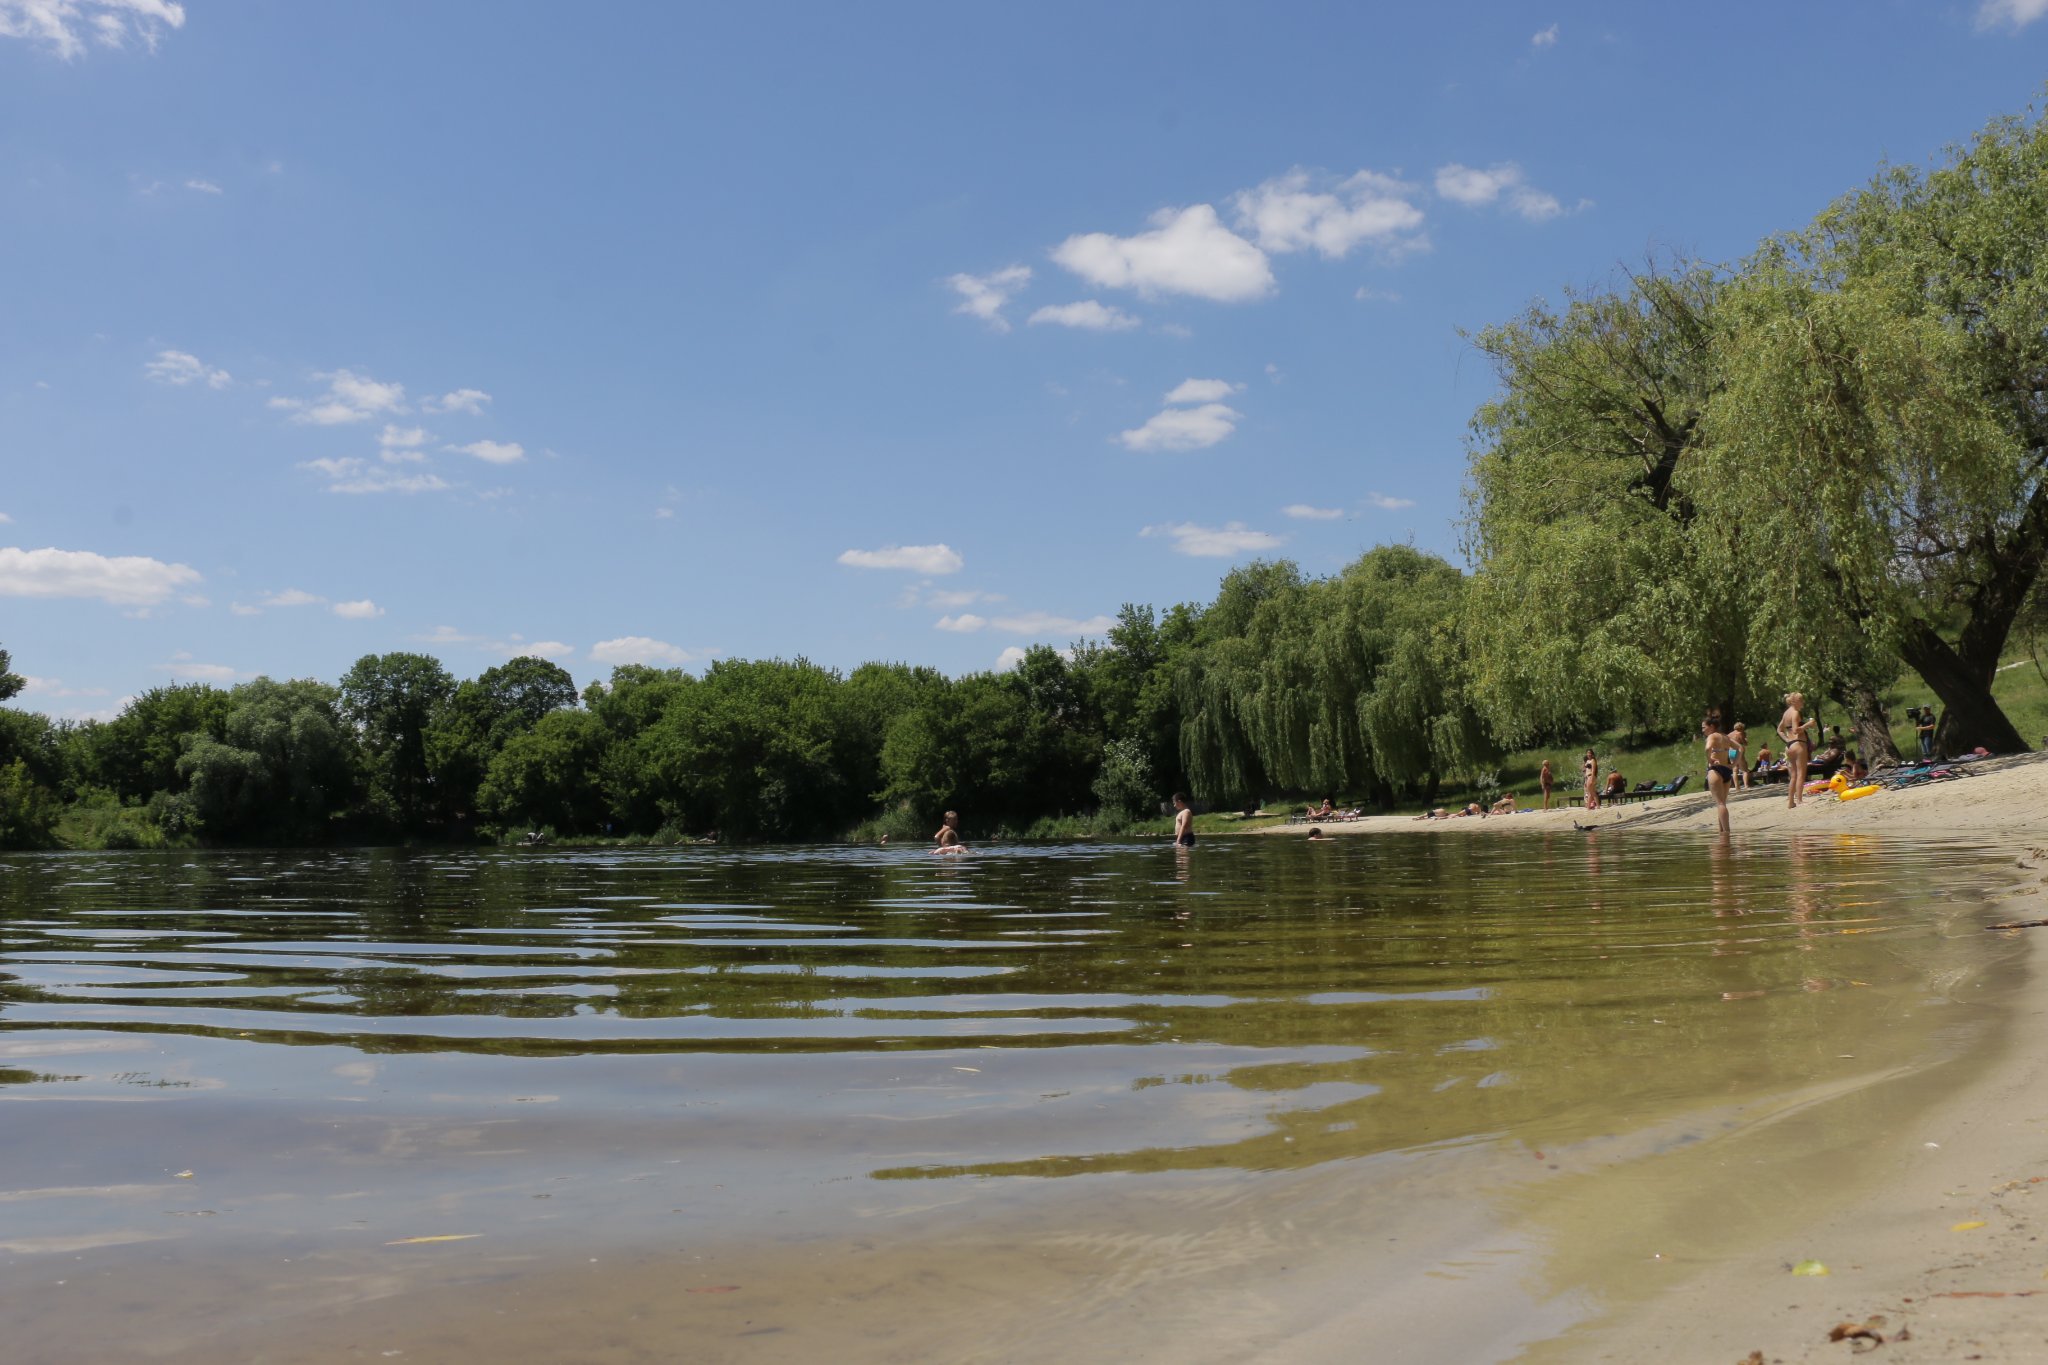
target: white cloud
54 687
244 609
1367 294
364 610
927 559
401 445
1009 659
1477 188
2016 13
61 25
182 666
351 475
290 597
983 296
1088 315
350 397
513 647
966 621
180 368
1045 623
1187 251
1215 542
5 520
1388 504
1300 212
494 452
542 649
120 580
639 649
1183 428
1202 391
470 401
1548 37
1301 511
204 187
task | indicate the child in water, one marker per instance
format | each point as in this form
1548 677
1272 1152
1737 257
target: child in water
948 837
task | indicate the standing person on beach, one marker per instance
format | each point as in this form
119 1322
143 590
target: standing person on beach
1183 822
1923 726
1589 770
1792 728
1545 779
1738 745
1720 769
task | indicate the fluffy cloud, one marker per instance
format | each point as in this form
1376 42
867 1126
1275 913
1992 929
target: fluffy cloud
1298 212
1202 391
494 452
965 622
364 610
290 597
1215 542
1548 37
470 401
2015 13
63 25
402 445
639 649
204 187
1187 251
983 296
120 580
1183 428
926 559
1088 315
1505 182
1301 511
1009 659
1388 504
54 687
350 397
350 475
180 368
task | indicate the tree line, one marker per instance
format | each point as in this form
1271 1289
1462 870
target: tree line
1695 487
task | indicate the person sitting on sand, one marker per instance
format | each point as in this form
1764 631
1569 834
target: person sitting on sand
948 837
1506 804
1616 783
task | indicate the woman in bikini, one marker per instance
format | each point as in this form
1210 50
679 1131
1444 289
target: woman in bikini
1545 781
1589 769
1720 768
1792 727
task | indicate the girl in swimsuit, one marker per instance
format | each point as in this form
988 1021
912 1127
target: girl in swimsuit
1589 768
1720 768
1792 728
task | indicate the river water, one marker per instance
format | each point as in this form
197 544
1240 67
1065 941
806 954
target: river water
1263 1099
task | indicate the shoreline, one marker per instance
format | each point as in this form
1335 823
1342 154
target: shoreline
2002 800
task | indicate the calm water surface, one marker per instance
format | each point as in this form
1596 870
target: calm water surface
1094 1102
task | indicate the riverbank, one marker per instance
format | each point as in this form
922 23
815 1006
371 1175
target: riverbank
2002 799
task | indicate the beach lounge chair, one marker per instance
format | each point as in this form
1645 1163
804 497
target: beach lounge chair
1648 792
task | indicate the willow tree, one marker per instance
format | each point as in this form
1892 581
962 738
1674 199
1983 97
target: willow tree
1592 600
1353 683
1963 248
1878 452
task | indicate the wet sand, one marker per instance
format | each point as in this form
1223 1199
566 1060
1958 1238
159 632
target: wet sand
1931 1229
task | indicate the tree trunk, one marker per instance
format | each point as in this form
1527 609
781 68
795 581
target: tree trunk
1873 727
1970 718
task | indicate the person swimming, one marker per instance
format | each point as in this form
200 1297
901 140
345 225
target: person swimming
948 837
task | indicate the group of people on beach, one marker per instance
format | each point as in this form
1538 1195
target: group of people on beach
948 840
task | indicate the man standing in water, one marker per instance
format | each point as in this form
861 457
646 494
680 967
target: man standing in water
948 837
1798 745
1720 769
1183 821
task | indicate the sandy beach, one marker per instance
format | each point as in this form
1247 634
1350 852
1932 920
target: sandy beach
1938 1257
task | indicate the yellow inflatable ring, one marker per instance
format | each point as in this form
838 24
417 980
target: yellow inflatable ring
1855 792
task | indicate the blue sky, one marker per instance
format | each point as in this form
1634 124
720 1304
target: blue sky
650 332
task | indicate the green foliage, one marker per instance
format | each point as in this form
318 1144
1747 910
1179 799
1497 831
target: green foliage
391 701
28 810
10 683
548 776
1124 789
281 772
